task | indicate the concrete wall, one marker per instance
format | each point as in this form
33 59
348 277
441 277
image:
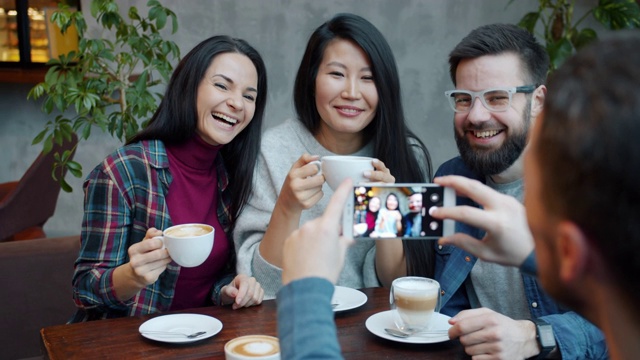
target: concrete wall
421 33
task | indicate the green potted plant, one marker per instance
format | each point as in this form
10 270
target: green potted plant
107 83
562 35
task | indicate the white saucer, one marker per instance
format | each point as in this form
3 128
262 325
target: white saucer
182 323
347 298
376 324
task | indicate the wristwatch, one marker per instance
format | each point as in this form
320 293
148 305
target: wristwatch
545 338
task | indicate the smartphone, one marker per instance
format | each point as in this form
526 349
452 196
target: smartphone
378 211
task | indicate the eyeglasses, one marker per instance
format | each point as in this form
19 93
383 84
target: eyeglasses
496 99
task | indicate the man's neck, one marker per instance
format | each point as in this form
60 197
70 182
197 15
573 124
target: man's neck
622 331
513 173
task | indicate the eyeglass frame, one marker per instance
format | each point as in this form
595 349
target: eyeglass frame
526 89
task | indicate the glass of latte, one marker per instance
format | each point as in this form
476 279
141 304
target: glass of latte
413 302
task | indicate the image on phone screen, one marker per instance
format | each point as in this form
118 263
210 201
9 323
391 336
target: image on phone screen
388 211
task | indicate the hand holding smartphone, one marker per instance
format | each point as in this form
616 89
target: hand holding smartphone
379 211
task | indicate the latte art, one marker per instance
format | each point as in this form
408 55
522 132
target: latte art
256 348
253 347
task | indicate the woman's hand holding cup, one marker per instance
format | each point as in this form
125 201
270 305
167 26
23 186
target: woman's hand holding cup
380 174
148 258
189 245
302 189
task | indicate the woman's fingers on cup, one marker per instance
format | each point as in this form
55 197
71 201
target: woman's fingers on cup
151 233
147 265
307 162
380 173
307 172
144 247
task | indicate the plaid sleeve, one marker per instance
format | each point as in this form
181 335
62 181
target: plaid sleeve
105 232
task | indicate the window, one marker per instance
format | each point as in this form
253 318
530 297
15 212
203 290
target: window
26 38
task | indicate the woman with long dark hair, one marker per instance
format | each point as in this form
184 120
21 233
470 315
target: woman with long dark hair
193 163
389 221
348 102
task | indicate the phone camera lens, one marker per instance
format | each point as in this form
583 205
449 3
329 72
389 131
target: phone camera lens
434 225
434 197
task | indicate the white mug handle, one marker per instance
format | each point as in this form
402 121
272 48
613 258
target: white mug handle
161 238
318 164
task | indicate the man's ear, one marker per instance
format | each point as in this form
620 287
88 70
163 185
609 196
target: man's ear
572 249
537 100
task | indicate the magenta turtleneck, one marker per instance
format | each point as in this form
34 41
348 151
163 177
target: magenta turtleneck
193 198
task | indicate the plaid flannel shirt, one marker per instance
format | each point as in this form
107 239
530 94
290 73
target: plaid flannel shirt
124 196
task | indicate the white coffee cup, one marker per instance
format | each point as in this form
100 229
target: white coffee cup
337 168
189 245
413 301
252 347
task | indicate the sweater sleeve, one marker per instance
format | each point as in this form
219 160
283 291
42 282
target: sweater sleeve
306 328
251 227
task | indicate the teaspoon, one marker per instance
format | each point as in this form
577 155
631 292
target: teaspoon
405 334
169 333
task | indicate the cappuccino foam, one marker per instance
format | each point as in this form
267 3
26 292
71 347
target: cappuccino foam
255 346
188 231
415 287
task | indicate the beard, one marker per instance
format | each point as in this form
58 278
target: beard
487 162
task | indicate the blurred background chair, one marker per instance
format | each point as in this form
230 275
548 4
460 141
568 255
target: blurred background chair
27 204
36 287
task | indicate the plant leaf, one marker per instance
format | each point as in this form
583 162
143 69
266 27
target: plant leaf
95 81
133 13
584 37
75 168
40 136
618 14
529 21
64 185
86 131
48 144
559 52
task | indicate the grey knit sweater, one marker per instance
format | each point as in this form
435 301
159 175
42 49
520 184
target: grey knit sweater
281 147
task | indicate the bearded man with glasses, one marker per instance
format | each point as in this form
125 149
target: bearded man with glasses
499 312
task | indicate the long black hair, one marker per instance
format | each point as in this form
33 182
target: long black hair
175 120
393 142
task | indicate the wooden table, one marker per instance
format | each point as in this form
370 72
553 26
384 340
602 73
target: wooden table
120 339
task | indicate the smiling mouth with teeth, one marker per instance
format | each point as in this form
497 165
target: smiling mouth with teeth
486 133
225 119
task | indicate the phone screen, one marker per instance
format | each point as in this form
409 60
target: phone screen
388 211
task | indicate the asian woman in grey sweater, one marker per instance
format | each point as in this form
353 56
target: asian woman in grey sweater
348 102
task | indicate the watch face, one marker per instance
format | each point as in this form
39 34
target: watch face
546 335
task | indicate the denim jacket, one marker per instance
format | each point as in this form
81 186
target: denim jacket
576 338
